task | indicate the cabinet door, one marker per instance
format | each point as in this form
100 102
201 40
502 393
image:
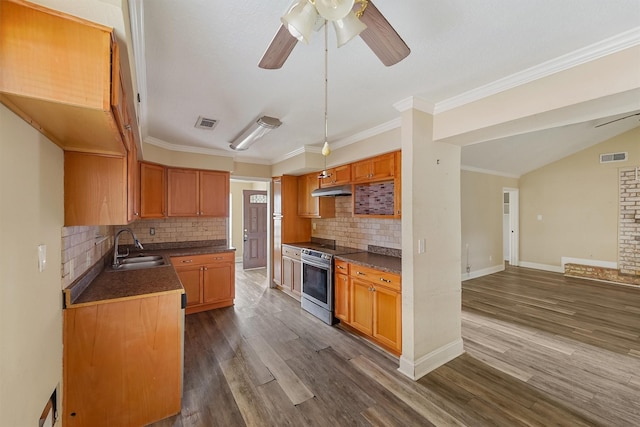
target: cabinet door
152 190
382 167
217 283
304 199
133 184
287 273
190 277
296 279
342 297
361 171
95 189
342 175
361 305
183 192
214 193
387 309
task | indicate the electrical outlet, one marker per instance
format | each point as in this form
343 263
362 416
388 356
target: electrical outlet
152 231
421 246
313 226
490 258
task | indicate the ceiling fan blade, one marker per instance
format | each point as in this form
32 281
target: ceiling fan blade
380 36
617 120
279 49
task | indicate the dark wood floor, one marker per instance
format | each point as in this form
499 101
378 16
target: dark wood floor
541 350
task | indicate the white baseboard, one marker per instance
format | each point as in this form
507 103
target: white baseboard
238 259
484 272
427 363
545 267
589 262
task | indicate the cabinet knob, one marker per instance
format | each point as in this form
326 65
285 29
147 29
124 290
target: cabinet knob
360 273
382 279
205 268
187 260
127 127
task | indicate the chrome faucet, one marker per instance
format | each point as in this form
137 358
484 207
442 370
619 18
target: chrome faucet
116 255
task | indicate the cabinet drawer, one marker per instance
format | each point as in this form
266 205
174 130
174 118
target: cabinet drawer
377 277
291 252
342 267
203 259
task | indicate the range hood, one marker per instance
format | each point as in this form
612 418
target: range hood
342 190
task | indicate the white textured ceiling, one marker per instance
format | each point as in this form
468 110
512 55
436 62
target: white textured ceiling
200 59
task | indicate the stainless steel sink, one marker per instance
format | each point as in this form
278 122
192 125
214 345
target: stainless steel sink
139 262
141 259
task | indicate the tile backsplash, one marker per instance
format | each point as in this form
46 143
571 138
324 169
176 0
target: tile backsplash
82 247
176 230
358 232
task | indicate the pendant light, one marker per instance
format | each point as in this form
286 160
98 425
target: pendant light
326 150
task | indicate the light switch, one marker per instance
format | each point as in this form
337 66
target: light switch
42 257
539 217
421 245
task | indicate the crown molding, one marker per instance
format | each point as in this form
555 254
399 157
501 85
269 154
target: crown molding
367 133
185 148
595 51
415 103
302 150
488 172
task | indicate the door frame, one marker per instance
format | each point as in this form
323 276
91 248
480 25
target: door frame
514 224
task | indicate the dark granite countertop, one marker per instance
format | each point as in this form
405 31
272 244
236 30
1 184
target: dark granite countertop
390 264
102 283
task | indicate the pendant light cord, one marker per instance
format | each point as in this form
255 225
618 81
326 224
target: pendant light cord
326 82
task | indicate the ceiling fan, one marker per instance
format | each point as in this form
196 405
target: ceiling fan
379 35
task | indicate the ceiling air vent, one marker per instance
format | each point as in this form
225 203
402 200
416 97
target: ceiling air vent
204 123
613 157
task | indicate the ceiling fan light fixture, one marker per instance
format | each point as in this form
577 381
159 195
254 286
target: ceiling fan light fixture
300 20
347 28
255 131
332 10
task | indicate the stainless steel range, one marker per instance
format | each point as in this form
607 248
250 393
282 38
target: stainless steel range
317 278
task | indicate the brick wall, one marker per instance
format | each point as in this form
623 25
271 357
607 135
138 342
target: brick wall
629 223
176 230
358 232
82 247
600 273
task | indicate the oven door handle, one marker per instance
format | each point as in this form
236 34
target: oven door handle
316 264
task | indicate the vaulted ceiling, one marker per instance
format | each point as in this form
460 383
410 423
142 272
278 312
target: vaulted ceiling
199 58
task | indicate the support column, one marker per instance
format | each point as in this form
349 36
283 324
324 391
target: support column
431 235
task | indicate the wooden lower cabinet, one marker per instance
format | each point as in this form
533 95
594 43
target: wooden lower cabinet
374 301
208 280
341 290
123 361
291 271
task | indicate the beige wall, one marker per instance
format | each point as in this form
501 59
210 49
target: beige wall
577 198
153 153
481 210
379 144
31 214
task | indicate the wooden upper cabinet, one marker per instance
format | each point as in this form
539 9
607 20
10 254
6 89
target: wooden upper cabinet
214 193
377 168
57 73
153 190
133 184
194 193
340 175
183 192
95 189
313 207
